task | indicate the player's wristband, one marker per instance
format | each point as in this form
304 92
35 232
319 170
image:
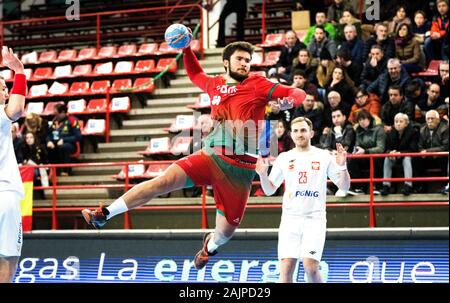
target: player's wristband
342 167
20 85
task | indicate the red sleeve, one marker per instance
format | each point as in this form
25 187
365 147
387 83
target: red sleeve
194 70
295 95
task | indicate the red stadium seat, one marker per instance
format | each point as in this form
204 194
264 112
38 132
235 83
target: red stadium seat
144 66
94 127
271 58
182 122
75 107
147 49
123 67
135 171
181 146
87 53
7 74
28 73
42 73
67 55
30 58
77 151
144 85
62 71
82 70
78 88
126 50
96 106
273 40
50 108
155 170
49 56
164 62
432 70
158 146
34 107
100 87
121 84
203 101
107 52
58 88
120 105
103 68
38 91
165 49
257 59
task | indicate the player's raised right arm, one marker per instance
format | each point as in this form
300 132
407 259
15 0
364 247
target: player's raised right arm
16 101
262 166
194 70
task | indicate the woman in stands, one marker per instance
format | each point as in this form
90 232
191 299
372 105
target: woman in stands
407 49
399 18
37 125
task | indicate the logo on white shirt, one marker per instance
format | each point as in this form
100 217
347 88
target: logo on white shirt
315 165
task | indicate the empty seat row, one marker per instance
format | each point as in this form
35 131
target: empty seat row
140 171
265 60
85 88
167 146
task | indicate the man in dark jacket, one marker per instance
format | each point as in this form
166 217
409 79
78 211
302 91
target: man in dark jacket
342 132
353 43
313 110
288 53
381 38
401 139
375 66
397 104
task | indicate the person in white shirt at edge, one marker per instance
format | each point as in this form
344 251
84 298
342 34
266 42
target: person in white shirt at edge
303 221
11 187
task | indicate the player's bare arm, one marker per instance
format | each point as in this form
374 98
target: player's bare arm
341 160
16 102
262 166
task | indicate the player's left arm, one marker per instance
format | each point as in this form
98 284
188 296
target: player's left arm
262 166
16 101
338 172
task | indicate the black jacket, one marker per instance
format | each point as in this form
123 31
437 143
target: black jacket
407 143
388 112
436 142
347 139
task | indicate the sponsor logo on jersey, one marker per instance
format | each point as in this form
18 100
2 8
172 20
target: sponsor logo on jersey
315 165
227 90
304 193
291 164
236 220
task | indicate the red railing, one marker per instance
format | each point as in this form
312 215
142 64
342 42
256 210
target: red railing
371 204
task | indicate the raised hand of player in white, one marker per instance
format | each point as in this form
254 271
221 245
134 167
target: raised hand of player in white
10 60
341 154
262 166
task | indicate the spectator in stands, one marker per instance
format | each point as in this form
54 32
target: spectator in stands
395 75
325 70
288 53
340 82
402 139
336 10
305 63
313 110
36 125
433 101
415 91
397 104
283 134
334 102
17 142
348 19
370 102
442 79
63 135
381 38
321 20
375 65
434 44
353 43
300 80
232 6
399 19
433 138
370 139
35 153
407 49
352 68
320 42
421 27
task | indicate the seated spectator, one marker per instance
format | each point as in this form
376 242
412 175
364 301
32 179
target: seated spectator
353 69
353 43
342 132
325 70
313 110
305 63
434 46
321 20
369 102
334 102
336 10
415 91
348 20
402 139
63 135
375 66
283 134
442 79
300 80
433 101
395 75
341 83
407 49
421 26
17 142
36 125
382 39
288 53
370 139
399 18
397 104
320 42
433 138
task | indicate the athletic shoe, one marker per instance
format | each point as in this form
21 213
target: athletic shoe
202 257
96 218
406 190
340 194
386 190
356 192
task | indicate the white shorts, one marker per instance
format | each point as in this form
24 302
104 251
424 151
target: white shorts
10 224
300 237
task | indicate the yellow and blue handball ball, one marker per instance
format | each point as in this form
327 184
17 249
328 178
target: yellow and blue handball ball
178 36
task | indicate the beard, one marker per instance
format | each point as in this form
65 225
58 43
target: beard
236 76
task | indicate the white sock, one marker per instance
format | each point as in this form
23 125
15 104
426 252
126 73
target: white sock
116 208
211 246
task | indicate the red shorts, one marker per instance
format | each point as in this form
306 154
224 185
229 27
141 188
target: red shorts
231 181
